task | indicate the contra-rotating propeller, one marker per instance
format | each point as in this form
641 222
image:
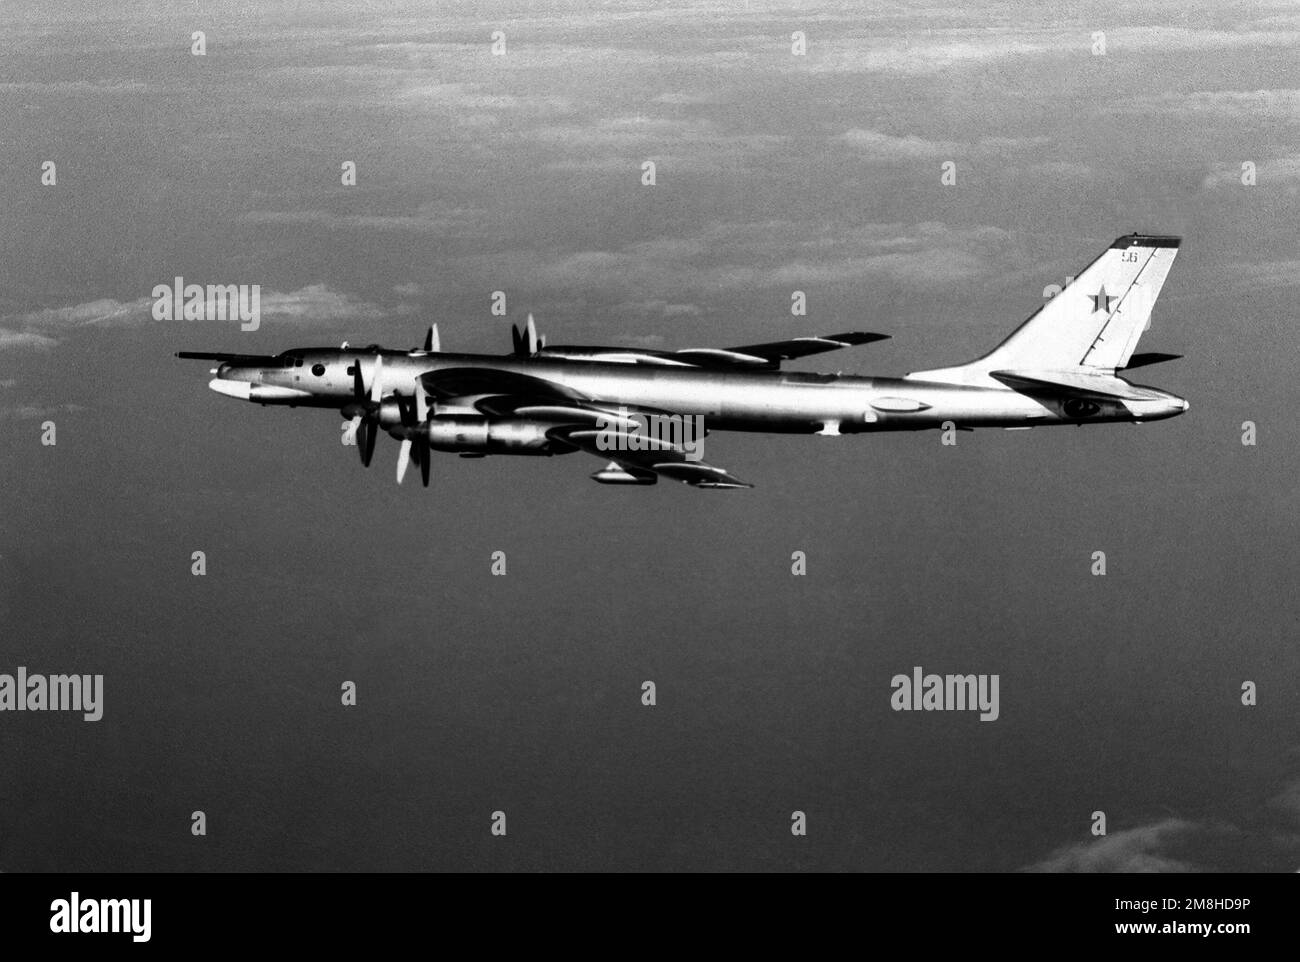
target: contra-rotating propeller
414 437
432 343
527 342
364 409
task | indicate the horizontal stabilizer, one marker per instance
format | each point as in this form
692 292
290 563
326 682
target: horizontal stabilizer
1143 360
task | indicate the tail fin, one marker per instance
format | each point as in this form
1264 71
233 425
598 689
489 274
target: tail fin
1091 327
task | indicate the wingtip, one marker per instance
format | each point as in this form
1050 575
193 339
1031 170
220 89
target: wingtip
855 338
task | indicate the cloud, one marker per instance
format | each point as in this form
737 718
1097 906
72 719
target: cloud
1288 801
922 268
1267 274
658 308
31 412
1265 836
18 340
1274 105
1061 170
461 97
879 146
427 218
310 304
743 256
1132 850
674 143
1283 171
97 86
685 99
882 146
900 51
884 50
1185 39
316 302
105 310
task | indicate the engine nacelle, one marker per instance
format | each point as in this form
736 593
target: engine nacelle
390 413
489 435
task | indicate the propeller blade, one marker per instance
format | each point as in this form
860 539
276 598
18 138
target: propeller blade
376 385
358 386
367 445
403 459
532 336
517 340
421 404
425 456
431 343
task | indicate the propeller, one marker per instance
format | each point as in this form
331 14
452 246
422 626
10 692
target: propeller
414 444
365 409
432 344
527 342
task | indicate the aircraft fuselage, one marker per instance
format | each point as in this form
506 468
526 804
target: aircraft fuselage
771 401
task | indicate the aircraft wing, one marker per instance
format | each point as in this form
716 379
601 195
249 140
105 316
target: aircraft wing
455 383
766 357
774 352
607 430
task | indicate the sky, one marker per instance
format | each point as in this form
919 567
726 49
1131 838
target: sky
522 172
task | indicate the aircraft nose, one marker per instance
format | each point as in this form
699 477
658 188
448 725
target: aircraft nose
232 381
236 389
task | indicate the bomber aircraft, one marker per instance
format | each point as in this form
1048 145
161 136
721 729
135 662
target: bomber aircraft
1061 366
